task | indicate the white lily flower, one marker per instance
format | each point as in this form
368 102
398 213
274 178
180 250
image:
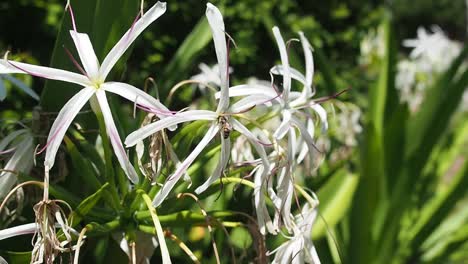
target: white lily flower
432 53
20 143
222 120
294 107
299 248
93 80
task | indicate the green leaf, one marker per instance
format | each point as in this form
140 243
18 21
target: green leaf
86 206
185 55
82 165
372 187
335 198
437 210
241 238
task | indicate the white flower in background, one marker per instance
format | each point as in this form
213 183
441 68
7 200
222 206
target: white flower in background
20 144
17 83
222 120
299 248
431 54
347 123
93 80
208 76
295 114
434 51
372 47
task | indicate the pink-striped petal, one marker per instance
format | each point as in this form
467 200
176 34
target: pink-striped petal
87 55
174 178
223 161
115 138
43 72
63 121
127 39
215 20
138 96
178 118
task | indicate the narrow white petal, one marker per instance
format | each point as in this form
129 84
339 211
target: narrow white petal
174 178
223 161
250 89
322 115
215 20
260 181
18 230
295 74
115 138
43 72
284 61
63 121
152 128
86 52
309 64
134 94
250 101
127 39
305 136
284 126
304 150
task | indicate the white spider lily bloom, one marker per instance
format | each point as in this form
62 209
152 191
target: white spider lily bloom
294 106
299 248
222 121
20 143
95 88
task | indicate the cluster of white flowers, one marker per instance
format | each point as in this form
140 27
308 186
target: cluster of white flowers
283 143
431 53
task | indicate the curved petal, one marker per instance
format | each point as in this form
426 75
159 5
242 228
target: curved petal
215 20
43 72
305 136
250 101
284 61
138 96
18 230
250 89
115 138
127 39
295 74
284 126
152 128
223 161
260 180
309 65
86 52
63 121
322 115
174 178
